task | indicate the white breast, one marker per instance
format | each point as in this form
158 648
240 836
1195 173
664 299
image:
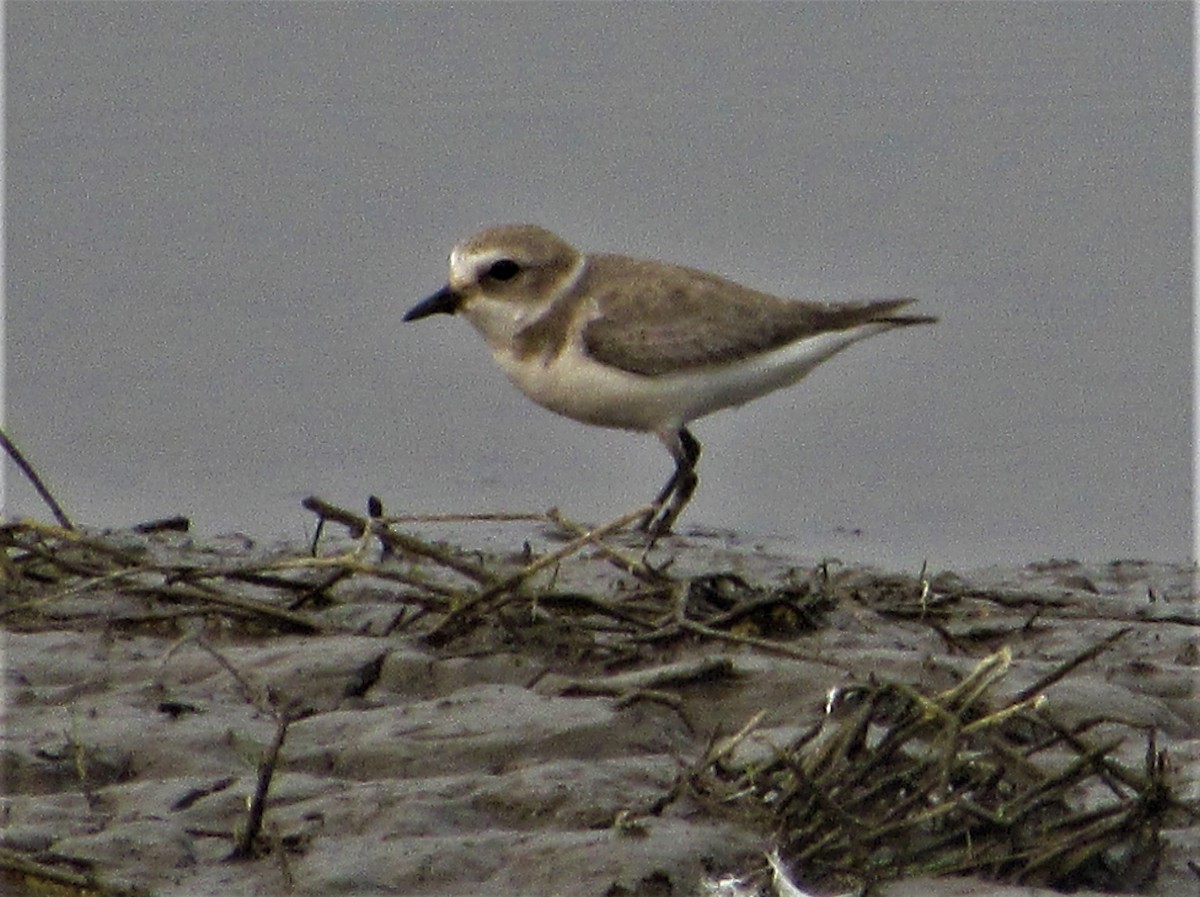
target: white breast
574 385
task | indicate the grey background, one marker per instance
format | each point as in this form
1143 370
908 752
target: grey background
216 215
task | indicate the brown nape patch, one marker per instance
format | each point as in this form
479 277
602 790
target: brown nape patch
550 334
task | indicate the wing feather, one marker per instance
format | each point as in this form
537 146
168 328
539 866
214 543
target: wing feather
655 319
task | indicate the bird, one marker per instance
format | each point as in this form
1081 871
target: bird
640 345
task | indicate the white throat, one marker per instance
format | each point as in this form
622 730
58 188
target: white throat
500 318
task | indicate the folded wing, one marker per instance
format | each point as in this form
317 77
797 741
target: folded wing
666 320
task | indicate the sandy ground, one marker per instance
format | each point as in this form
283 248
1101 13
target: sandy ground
515 755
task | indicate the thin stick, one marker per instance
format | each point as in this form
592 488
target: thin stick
1059 672
26 468
620 560
260 610
23 865
455 621
497 517
738 639
548 560
359 525
671 675
244 848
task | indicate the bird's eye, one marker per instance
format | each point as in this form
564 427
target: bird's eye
505 269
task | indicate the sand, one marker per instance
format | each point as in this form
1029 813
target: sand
534 747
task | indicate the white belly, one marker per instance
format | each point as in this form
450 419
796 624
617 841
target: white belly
574 385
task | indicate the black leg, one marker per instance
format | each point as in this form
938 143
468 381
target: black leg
675 445
656 506
685 449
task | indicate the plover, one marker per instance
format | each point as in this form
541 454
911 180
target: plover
640 345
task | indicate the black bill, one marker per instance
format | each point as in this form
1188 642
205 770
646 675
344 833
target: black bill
443 302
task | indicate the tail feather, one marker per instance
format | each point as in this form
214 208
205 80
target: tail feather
842 317
908 320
